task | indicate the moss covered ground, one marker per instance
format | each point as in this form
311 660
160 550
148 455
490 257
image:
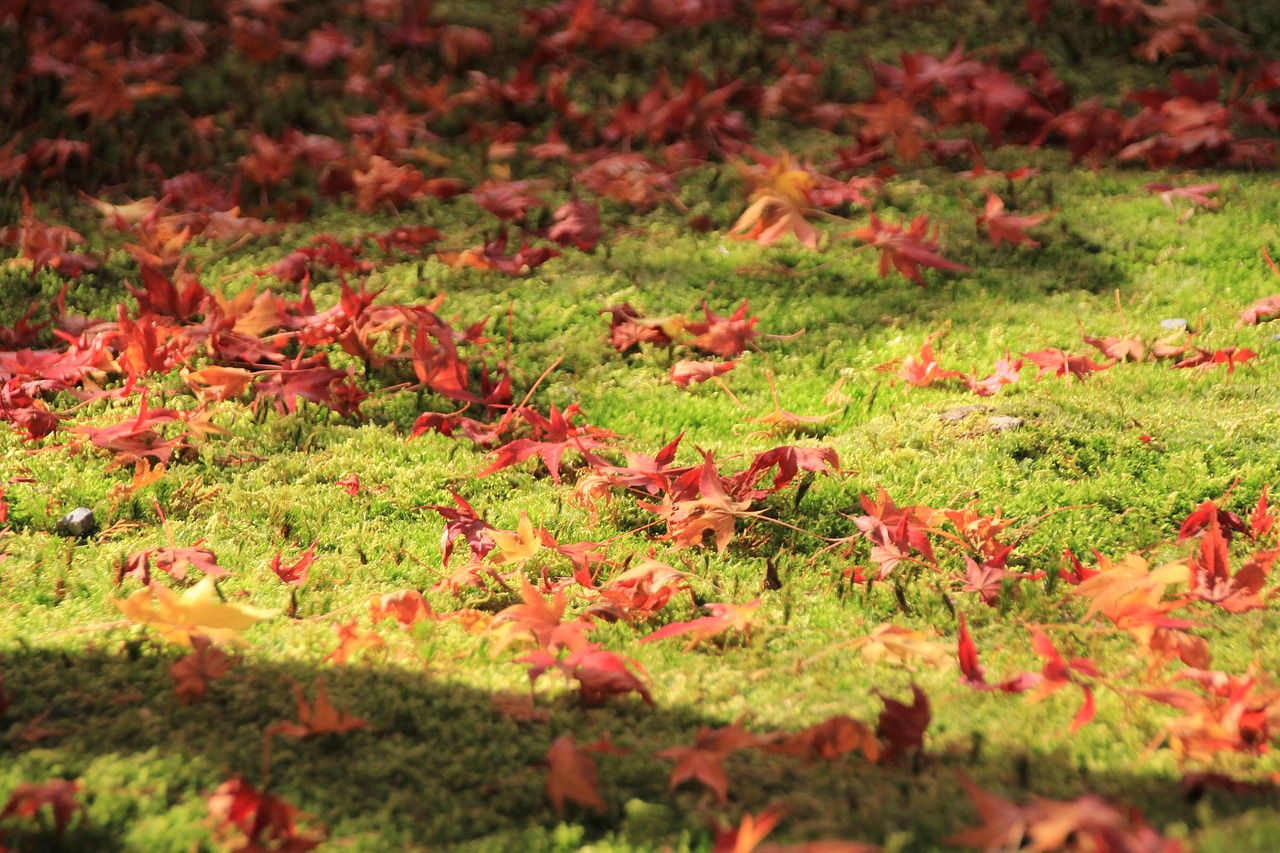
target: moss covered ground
453 752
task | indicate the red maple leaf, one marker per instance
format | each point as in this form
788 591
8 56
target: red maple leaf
972 672
901 726
193 672
172 561
509 200
1056 362
1210 577
491 255
723 336
1199 519
923 369
691 511
1004 227
1206 360
576 224
59 795
724 617
552 436
686 373
406 607
266 821
905 248
159 295
1058 672
296 574
463 522
829 739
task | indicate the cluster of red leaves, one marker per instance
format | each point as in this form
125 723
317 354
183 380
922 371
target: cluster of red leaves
899 730
1087 823
260 344
923 369
28 800
263 820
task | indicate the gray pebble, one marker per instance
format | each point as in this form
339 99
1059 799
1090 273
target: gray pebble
79 523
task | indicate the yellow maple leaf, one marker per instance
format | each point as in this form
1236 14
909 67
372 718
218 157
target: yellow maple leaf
197 611
519 544
894 644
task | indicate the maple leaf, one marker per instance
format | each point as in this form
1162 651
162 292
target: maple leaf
406 607
351 641
1056 362
382 183
1086 823
320 718
215 383
172 561
901 726
724 617
790 460
896 119
540 620
296 574
1206 360
778 207
1003 227
1197 522
1228 712
905 248
197 611
515 546
1260 311
1197 194
895 644
59 795
576 224
1128 348
266 821
686 373
463 522
1057 673
723 336
1210 577
1175 25
554 434
709 508
972 672
491 255
639 592
829 739
923 369
571 773
1007 372
509 200
704 761
1261 520
193 671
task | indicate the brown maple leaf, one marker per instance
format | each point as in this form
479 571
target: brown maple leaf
571 772
704 761
193 672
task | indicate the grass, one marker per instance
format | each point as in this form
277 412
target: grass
453 755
